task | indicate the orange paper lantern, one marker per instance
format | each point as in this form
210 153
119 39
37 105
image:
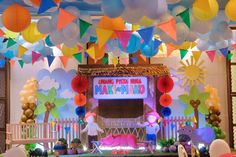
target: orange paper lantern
165 100
38 2
80 99
16 18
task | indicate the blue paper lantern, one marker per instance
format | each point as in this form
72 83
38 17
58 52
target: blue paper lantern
112 8
80 111
166 112
151 49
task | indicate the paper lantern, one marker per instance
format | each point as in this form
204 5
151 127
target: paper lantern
79 84
230 10
165 84
31 33
166 112
165 100
80 99
80 111
38 2
205 10
16 18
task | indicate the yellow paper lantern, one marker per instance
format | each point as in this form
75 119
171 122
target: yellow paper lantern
67 51
230 10
31 33
205 10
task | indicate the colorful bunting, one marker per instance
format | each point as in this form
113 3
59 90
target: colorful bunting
93 39
12 62
134 60
10 42
83 25
80 47
146 34
224 51
196 55
81 122
86 55
211 54
104 60
64 18
183 53
21 50
143 57
21 63
2 63
135 27
170 48
126 60
35 56
230 56
185 17
103 35
1 33
169 27
234 46
91 52
123 37
115 61
9 54
78 57
50 60
45 5
172 126
64 60
194 120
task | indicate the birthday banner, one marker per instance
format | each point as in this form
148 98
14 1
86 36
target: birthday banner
120 87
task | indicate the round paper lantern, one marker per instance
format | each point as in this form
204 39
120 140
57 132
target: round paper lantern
165 100
80 111
31 33
230 10
205 10
166 112
165 84
79 84
80 99
38 2
16 18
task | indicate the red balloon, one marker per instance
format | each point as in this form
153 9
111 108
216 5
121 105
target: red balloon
80 99
79 84
165 84
165 100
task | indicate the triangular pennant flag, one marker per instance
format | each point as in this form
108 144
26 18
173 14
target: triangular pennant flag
194 120
224 51
169 27
21 50
157 43
1 33
64 18
10 42
170 48
86 55
35 56
21 63
146 34
220 58
83 25
196 55
123 37
64 60
2 63
230 56
143 57
12 62
193 44
134 60
211 54
78 57
103 35
93 39
185 17
45 5
135 27
80 47
50 60
234 46
183 53
104 60
91 52
9 54
115 61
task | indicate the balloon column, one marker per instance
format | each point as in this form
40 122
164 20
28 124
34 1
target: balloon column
28 101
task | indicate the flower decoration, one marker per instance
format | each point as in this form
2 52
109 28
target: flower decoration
80 111
80 99
165 100
165 84
79 84
166 112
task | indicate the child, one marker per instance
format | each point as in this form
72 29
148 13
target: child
91 128
151 126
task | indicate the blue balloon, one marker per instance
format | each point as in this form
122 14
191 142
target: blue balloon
151 49
112 8
80 111
166 112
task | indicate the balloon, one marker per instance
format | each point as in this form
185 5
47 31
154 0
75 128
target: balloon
230 10
165 100
79 84
151 49
26 58
222 44
200 26
44 25
165 84
132 15
80 99
218 147
202 45
31 33
70 43
205 10
67 51
71 31
215 37
16 18
154 9
56 37
182 32
112 8
191 36
73 10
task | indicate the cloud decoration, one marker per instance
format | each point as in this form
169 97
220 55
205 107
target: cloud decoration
67 94
47 83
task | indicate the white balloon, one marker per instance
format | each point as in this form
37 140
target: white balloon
56 37
71 31
202 45
134 4
191 36
218 147
132 15
155 9
200 26
44 26
222 44
182 31
215 37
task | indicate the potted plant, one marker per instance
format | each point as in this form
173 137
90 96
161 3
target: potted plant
61 146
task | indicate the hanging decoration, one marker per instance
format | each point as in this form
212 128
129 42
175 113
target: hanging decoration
165 100
79 84
165 84
80 99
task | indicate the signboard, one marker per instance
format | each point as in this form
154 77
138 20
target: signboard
120 87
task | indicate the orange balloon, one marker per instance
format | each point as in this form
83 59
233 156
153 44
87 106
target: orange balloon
38 2
80 99
16 18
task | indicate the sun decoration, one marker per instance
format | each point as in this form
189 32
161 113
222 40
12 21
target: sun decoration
193 73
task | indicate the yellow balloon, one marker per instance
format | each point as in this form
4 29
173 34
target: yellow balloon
67 51
205 10
31 33
230 10
11 34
